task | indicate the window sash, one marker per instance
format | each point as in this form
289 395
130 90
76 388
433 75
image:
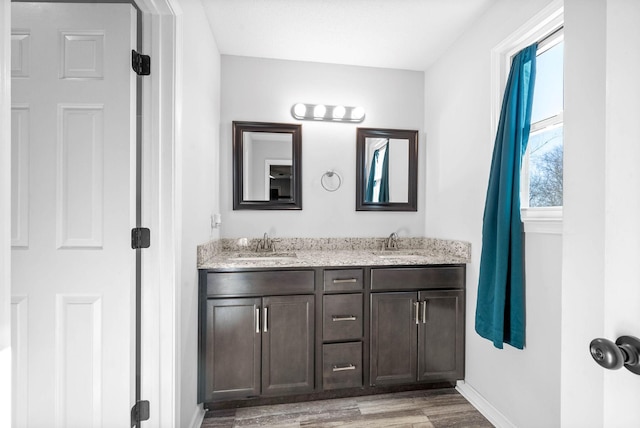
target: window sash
546 43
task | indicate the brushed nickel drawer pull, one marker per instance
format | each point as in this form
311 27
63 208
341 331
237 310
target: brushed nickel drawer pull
424 312
257 320
265 320
344 281
343 368
343 318
417 306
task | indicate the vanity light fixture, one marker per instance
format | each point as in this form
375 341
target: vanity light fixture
328 113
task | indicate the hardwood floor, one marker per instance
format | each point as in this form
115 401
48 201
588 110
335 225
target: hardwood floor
420 409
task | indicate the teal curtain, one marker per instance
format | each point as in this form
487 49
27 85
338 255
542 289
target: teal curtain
371 181
500 311
383 190
383 196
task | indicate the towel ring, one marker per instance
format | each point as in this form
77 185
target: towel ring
330 174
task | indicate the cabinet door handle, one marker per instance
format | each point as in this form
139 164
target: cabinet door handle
343 368
264 323
257 320
344 281
417 306
343 318
424 312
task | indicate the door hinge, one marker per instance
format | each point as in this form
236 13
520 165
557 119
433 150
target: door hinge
141 64
139 412
140 238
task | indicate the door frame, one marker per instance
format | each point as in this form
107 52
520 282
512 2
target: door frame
162 36
268 163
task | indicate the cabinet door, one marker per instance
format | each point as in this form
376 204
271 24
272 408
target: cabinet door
288 344
393 338
441 336
232 359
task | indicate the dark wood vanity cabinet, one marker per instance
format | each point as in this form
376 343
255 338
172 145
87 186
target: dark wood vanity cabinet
278 332
256 346
259 346
417 336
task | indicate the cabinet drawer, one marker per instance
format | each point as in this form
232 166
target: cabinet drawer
342 365
342 316
260 283
343 279
417 278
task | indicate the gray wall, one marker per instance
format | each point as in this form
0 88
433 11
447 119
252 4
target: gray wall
197 164
264 90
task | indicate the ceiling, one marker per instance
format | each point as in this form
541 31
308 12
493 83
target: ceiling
400 34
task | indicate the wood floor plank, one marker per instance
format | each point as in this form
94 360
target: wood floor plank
219 419
336 415
275 420
210 422
215 422
391 404
404 419
460 420
304 409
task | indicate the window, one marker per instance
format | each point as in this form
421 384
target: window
541 214
542 168
377 168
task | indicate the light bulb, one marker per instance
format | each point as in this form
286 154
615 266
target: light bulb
338 112
319 111
300 110
357 113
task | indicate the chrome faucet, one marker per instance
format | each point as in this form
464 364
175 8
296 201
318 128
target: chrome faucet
265 244
392 242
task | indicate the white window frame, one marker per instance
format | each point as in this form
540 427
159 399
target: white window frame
544 24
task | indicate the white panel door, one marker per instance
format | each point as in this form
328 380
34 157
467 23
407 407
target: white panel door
73 171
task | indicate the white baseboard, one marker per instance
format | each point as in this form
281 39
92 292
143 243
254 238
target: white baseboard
479 402
198 417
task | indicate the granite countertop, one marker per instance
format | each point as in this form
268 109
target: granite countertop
320 252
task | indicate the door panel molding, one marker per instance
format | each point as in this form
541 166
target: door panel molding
20 356
20 43
20 116
78 360
82 54
80 202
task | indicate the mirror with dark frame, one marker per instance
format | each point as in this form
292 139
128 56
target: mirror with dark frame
267 168
386 170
